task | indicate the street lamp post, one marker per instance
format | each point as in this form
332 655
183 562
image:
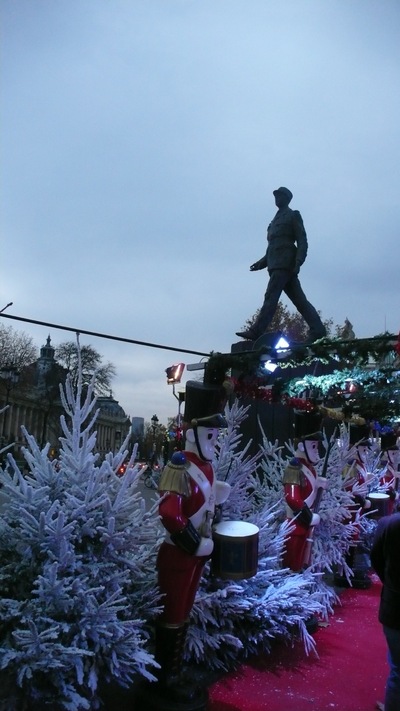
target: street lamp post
11 377
154 424
174 375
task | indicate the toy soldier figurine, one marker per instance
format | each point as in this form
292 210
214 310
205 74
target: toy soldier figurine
190 493
286 252
359 438
301 485
356 479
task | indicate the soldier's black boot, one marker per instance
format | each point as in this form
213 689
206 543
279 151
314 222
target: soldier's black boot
169 652
174 690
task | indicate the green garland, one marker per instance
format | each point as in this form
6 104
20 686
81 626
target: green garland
368 380
374 393
355 352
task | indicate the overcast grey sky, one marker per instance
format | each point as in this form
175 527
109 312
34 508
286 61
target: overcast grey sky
141 142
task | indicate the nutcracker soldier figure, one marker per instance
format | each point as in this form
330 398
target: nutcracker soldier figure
356 478
190 493
301 485
391 475
359 439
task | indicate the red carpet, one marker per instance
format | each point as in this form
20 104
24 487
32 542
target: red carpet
349 675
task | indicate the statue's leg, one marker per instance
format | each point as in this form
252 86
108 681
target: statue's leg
310 314
276 284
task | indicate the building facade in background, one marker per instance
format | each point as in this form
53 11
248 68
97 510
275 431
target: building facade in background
32 398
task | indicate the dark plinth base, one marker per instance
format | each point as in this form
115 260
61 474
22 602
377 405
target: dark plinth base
362 582
359 561
312 624
117 698
149 697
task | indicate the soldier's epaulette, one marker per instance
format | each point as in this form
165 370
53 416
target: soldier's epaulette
293 472
349 469
336 413
175 479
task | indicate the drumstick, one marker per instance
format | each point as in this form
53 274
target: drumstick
318 496
317 501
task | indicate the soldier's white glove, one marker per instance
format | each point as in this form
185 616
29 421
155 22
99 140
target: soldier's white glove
321 482
316 519
205 547
222 491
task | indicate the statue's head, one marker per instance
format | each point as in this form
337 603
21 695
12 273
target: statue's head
283 197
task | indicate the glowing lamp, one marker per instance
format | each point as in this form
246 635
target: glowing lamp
174 373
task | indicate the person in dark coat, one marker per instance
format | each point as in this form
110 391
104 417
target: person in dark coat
385 559
286 252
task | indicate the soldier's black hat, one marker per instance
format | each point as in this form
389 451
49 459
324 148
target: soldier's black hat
359 434
204 404
388 441
307 425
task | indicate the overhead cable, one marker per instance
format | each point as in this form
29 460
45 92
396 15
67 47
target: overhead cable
103 335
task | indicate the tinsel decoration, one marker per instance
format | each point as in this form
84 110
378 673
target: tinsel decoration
254 389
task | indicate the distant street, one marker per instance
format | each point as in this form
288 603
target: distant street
150 495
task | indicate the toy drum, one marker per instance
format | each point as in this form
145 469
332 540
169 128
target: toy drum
235 554
380 504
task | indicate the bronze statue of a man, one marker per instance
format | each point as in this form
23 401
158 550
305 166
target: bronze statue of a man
286 252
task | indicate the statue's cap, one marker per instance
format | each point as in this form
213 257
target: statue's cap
284 191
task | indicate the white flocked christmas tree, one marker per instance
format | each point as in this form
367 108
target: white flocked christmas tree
232 620
77 577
